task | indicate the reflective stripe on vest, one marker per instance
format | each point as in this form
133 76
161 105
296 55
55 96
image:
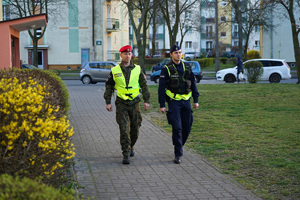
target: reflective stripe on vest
133 89
177 96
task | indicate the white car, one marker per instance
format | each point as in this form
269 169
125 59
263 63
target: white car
274 71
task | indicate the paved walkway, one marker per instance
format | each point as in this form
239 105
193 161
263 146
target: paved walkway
152 173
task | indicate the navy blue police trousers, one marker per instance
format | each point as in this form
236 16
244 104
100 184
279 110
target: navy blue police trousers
180 117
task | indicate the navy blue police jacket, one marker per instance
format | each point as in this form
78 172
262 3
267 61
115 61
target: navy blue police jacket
164 76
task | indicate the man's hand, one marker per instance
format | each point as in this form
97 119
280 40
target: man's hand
163 110
109 107
195 106
146 106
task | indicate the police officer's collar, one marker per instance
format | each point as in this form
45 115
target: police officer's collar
177 64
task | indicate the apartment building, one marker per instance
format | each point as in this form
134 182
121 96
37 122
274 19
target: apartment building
78 32
277 42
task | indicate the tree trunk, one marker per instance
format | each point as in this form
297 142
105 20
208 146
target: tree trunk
217 61
295 34
240 25
154 32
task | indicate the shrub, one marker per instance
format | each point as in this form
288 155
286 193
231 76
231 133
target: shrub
34 135
205 62
253 54
253 70
232 61
223 60
58 90
25 188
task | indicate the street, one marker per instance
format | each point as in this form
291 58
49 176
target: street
205 81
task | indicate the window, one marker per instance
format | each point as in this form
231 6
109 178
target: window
188 44
208 45
188 29
257 43
236 28
223 34
223 3
6 12
37 2
38 32
276 63
209 32
188 15
223 19
256 29
94 65
236 43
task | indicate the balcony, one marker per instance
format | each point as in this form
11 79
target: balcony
207 4
209 35
157 36
112 25
235 35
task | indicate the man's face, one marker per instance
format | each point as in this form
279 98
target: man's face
176 55
126 56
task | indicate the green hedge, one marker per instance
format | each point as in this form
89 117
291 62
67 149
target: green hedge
253 69
26 188
205 62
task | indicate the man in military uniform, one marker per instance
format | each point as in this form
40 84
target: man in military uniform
176 86
128 79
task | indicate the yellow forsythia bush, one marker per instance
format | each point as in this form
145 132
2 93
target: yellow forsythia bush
34 139
253 54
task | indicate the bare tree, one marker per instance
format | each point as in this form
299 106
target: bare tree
156 17
292 7
172 10
189 22
25 8
140 9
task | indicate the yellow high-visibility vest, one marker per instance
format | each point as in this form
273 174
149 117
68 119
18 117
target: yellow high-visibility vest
133 89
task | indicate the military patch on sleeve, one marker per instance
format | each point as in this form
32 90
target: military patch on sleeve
117 75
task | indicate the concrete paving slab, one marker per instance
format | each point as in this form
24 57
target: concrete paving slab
152 173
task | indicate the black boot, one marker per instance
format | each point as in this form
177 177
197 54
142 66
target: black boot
177 160
131 153
126 160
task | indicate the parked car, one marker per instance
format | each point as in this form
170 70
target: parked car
28 66
195 68
191 55
229 54
160 65
96 71
156 56
274 71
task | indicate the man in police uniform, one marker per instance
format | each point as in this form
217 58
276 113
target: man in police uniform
128 79
176 86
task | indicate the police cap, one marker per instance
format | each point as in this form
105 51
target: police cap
174 48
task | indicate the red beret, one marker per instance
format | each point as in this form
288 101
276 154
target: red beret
126 48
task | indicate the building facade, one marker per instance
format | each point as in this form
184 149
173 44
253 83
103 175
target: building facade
277 42
79 32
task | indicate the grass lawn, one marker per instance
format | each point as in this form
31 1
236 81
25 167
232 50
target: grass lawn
249 131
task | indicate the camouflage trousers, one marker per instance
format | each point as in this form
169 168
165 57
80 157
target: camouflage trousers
129 119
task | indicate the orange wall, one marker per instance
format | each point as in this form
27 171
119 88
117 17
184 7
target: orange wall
5 50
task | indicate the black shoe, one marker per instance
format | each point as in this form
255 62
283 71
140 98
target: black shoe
177 160
131 153
126 160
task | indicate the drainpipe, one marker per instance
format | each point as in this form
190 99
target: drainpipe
93 28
